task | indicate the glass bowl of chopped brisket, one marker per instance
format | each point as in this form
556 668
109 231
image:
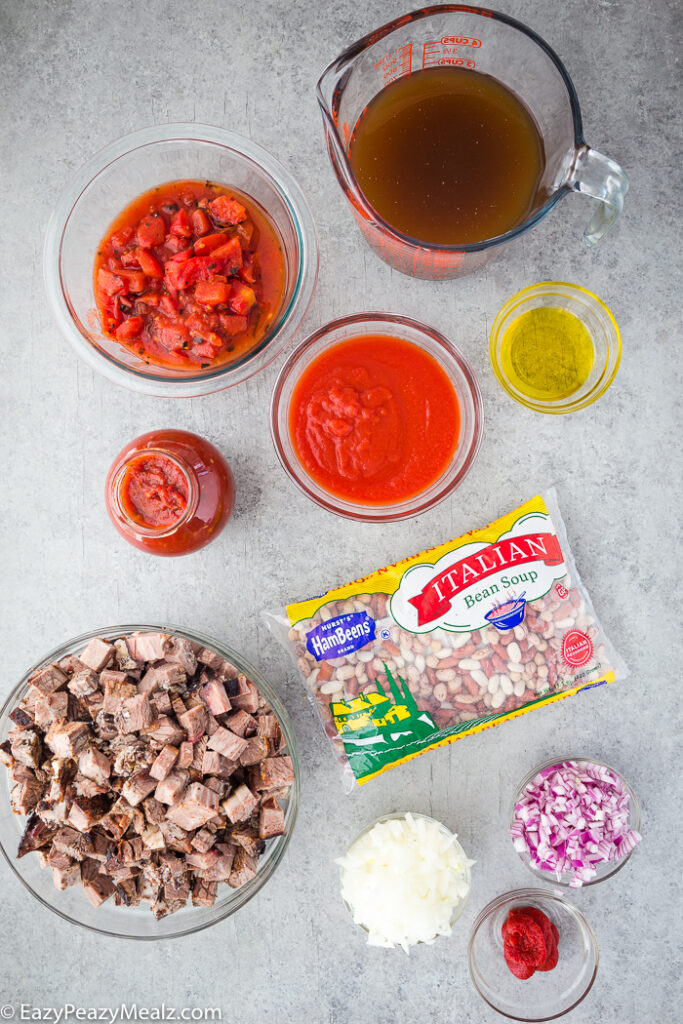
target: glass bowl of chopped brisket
152 781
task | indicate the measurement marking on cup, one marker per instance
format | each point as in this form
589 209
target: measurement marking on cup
397 63
447 51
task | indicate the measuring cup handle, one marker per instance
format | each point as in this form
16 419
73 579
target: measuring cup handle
597 176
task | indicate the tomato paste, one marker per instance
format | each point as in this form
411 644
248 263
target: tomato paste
190 275
529 942
374 420
169 492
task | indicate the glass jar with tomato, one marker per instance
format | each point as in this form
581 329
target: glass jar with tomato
169 492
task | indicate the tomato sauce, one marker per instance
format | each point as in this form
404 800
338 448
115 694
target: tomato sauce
154 490
374 420
169 492
190 275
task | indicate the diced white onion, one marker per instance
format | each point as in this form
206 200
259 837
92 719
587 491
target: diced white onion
403 879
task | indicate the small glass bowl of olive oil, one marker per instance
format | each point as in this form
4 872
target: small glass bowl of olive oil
555 347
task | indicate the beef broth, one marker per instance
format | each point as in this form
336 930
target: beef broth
448 155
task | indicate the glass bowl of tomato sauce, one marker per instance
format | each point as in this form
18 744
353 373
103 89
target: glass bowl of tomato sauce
180 260
376 417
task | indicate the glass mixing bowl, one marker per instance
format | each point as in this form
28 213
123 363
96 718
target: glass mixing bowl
429 340
139 922
604 869
546 995
113 178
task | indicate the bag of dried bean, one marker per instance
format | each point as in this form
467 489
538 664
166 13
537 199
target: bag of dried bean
450 641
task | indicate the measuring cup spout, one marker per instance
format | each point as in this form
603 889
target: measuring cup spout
331 85
597 176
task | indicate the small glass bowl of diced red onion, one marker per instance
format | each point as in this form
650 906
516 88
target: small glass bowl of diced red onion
575 821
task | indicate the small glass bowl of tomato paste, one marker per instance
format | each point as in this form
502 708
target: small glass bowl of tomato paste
169 492
101 281
376 417
548 993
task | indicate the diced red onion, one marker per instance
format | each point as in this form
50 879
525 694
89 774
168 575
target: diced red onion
572 817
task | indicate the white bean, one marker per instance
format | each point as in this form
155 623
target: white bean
514 652
468 664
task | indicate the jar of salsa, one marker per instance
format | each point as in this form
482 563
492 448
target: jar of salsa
169 492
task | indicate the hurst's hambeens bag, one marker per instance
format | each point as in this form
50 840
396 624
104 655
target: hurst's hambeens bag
451 641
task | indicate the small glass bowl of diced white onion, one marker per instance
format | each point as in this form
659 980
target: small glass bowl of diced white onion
405 880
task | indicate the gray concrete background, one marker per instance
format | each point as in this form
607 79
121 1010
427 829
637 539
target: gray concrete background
76 75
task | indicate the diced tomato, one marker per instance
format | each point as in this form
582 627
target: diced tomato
245 232
169 335
149 264
168 305
173 244
232 324
227 211
179 274
248 271
134 280
120 238
180 257
200 222
209 348
203 246
149 301
242 298
181 225
212 293
151 230
229 256
111 284
130 328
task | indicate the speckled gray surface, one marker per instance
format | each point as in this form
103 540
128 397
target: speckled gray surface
79 74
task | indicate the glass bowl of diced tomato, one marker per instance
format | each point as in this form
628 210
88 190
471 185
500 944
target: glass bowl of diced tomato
180 260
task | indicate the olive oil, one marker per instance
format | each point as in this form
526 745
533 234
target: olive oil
547 353
448 155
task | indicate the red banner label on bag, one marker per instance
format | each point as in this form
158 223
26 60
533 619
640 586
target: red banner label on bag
435 598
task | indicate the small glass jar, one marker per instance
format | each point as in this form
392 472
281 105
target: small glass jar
191 504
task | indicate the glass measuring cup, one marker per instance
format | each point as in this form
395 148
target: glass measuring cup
505 49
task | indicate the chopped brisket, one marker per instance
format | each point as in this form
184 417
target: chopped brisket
137 787
227 743
65 739
240 805
164 762
257 748
48 679
243 868
194 722
26 747
216 698
271 819
272 773
204 893
171 788
94 765
98 654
